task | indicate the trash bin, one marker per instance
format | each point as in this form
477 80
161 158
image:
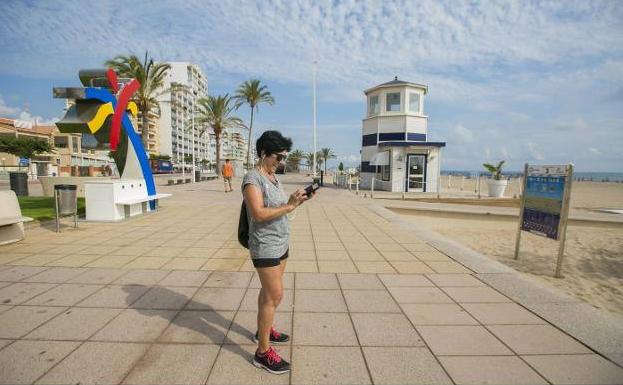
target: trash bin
197 176
19 183
66 203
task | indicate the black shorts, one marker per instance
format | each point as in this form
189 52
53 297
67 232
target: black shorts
269 262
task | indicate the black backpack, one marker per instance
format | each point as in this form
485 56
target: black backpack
243 226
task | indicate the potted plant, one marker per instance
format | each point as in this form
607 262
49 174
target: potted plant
496 184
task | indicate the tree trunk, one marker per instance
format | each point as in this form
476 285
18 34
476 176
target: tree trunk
249 157
145 131
325 166
217 137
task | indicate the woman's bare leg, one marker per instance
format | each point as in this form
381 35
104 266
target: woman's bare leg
269 298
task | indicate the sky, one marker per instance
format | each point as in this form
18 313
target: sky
523 81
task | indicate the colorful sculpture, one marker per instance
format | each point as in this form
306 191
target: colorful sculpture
101 108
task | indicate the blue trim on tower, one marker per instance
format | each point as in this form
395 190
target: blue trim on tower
414 144
387 136
368 140
415 137
365 167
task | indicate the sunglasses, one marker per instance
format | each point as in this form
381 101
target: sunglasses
280 157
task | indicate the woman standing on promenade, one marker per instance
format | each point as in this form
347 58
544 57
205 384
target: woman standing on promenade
269 233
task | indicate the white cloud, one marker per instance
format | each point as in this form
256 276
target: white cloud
594 151
463 134
7 110
26 118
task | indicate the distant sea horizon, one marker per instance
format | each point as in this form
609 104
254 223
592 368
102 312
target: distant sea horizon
580 176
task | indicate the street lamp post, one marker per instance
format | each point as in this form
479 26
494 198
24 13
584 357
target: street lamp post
314 109
193 138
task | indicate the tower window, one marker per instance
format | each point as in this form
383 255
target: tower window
392 101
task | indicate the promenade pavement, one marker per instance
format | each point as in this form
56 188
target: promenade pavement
170 298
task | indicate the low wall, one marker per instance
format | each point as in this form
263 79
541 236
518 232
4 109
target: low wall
48 182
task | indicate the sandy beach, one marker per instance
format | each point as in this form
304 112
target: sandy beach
593 262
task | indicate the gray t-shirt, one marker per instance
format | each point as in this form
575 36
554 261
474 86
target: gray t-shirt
268 239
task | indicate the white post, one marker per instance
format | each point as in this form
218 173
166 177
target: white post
183 152
372 190
562 226
193 138
449 182
478 184
349 181
357 184
314 108
521 210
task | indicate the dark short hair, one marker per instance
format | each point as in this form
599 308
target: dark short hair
227 160
272 142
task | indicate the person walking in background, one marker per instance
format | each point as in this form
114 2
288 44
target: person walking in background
228 173
269 233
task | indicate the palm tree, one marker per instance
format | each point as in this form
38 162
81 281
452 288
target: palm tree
252 93
216 111
326 154
151 76
293 160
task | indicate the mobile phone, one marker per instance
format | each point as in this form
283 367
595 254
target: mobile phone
309 190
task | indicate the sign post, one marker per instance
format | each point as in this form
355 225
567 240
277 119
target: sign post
544 207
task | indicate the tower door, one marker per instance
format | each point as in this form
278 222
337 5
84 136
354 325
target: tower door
416 173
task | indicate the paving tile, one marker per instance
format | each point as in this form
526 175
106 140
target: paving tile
374 267
302 267
462 341
475 294
287 280
404 365
437 314
337 267
576 369
327 281
302 255
15 274
115 296
326 329
399 256
537 339
449 267
20 320
419 247
21 292
184 264
233 367
75 260
162 297
367 255
222 264
111 261
491 370
56 275
228 279
74 324
197 252
206 327
4 343
360 282
389 246
249 301
370 301
185 278
329 246
332 255
25 361
358 246
409 267
99 276
147 262
141 277
501 313
243 329
174 364
419 295
319 301
328 365
459 280
163 252
216 298
130 251
385 329
64 295
136 325
405 280
96 363
427 256
39 260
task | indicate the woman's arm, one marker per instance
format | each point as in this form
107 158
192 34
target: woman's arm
255 204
